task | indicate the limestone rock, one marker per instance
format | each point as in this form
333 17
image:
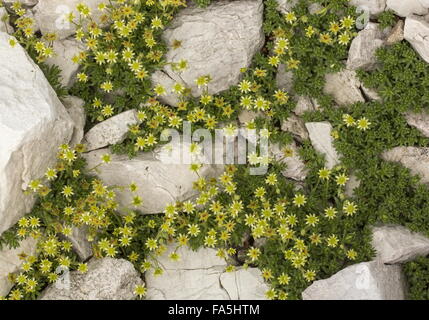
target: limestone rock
106 279
74 107
416 32
396 244
33 122
296 126
396 34
26 3
159 182
406 8
375 7
344 87
11 263
304 104
285 6
244 284
370 94
413 158
4 22
81 245
295 167
65 50
196 276
225 34
284 78
111 131
420 121
322 141
363 281
246 116
199 275
51 15
351 185
363 48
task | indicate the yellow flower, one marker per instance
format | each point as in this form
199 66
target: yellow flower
363 124
299 200
332 241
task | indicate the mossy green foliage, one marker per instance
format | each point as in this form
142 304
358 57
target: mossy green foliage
402 79
417 273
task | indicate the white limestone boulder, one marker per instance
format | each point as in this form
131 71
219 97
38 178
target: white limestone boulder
409 7
413 158
416 32
364 46
288 155
397 244
196 276
344 86
4 22
419 120
65 50
285 6
200 275
218 40
363 281
111 131
244 284
296 126
396 34
106 279
322 141
160 182
51 15
375 7
33 124
10 262
74 107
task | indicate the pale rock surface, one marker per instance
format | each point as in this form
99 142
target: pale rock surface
363 48
247 116
4 24
11 263
295 167
322 141
26 3
304 104
375 7
111 131
396 34
159 181
397 244
218 41
200 275
296 126
314 8
106 279
51 15
363 281
33 122
416 32
413 158
370 94
351 185
65 50
419 120
284 6
74 107
196 276
405 8
244 284
284 78
81 245
344 86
